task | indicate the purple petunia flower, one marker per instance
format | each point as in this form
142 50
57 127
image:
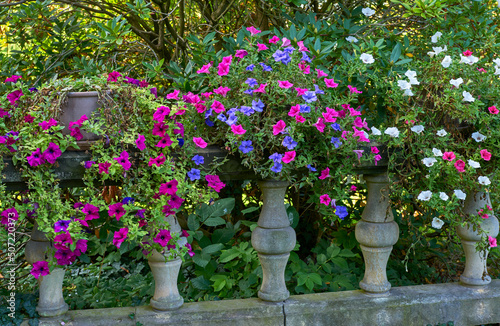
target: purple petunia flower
128 200
198 159
265 67
194 174
61 225
88 164
317 90
163 237
312 169
250 67
341 212
246 146
222 117
52 153
309 97
209 123
289 143
40 268
232 119
248 91
257 105
336 142
252 82
305 57
36 158
277 167
336 127
304 108
282 56
276 157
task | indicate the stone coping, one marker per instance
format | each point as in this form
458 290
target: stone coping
408 305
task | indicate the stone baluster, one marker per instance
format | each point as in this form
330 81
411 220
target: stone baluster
273 239
50 301
165 274
377 233
475 272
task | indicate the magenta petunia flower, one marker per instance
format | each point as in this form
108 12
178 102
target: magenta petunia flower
222 90
214 182
301 91
163 237
52 153
174 95
9 215
63 238
116 210
359 153
460 166
40 268
14 96
261 47
374 150
377 158
223 69
120 236
300 119
123 160
199 142
81 247
241 54
305 69
325 174
353 112
175 201
279 127
113 76
467 53
238 129
360 134
159 129
274 39
141 142
294 111
285 42
160 113
485 155
169 188
179 130
47 124
449 156
36 158
493 110
284 84
331 83
320 125
13 78
354 90
164 142
75 132
64 256
159 160
260 89
321 73
253 30
91 212
301 46
204 69
288 157
492 241
104 167
325 199
218 107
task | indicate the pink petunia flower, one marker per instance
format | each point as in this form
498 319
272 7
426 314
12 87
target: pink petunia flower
460 166
294 110
13 78
52 153
120 236
169 188
174 95
123 160
449 156
204 69
492 241
325 174
260 89
288 157
141 142
321 73
116 210
374 150
353 112
238 129
325 199
40 268
214 182
218 107
485 155
223 69
285 42
241 54
222 90
274 39
301 46
261 47
104 167
284 84
279 127
493 110
300 119
113 76
163 237
353 188
331 83
467 53
377 158
320 125
199 142
353 90
253 30
301 91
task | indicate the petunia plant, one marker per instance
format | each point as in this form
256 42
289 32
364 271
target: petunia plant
449 133
288 117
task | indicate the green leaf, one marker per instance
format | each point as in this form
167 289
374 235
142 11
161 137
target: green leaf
341 262
396 53
315 278
249 210
228 255
403 61
208 38
201 259
293 216
193 223
201 283
212 248
214 221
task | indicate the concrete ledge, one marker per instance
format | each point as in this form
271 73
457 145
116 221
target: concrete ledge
410 305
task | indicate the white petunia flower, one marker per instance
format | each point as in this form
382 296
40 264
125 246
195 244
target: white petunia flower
376 132
478 137
429 161
367 12
392 131
437 152
367 58
441 133
438 49
497 71
443 196
446 62
470 60
408 92
484 180
456 82
418 129
467 97
351 39
403 84
435 37
437 223
425 195
414 81
474 164
411 74
497 61
460 194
